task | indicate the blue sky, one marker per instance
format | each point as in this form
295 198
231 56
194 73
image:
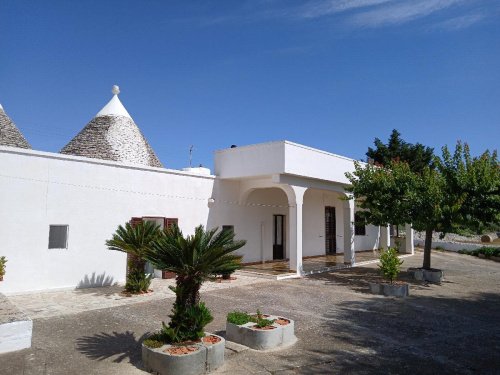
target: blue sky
331 74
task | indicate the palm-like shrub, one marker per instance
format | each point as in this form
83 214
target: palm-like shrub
134 240
194 259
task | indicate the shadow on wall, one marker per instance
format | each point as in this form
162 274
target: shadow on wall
95 281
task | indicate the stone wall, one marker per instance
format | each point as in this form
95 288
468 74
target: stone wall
114 138
10 134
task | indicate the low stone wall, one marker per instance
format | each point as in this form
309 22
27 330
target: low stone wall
15 327
451 246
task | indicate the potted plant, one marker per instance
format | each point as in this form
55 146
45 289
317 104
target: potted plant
260 331
390 266
183 346
227 270
3 260
134 240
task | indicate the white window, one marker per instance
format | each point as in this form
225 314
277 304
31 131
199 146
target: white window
58 237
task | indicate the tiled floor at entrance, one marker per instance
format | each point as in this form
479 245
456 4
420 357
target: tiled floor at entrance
310 264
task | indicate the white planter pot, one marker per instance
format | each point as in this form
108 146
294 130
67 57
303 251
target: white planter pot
262 339
390 290
206 358
433 275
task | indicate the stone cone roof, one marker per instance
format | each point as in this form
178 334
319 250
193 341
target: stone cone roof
113 135
9 133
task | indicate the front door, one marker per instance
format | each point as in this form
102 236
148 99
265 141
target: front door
330 231
278 236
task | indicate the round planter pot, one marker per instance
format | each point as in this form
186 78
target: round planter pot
262 339
390 290
207 357
433 275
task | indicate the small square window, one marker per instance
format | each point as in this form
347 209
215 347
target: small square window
58 237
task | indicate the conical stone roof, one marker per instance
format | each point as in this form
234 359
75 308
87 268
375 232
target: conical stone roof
9 133
113 135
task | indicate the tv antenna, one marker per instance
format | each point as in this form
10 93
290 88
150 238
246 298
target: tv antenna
191 156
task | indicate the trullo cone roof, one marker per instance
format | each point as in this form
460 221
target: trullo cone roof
9 133
113 135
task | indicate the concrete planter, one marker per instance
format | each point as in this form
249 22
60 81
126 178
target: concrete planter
207 357
390 290
496 259
262 339
15 327
433 275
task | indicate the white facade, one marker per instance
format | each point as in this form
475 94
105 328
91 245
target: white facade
288 201
92 197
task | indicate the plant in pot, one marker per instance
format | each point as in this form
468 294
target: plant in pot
181 346
260 331
390 267
228 269
135 240
3 260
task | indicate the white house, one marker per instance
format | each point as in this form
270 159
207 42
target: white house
57 209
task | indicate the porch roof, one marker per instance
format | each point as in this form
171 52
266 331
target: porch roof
281 157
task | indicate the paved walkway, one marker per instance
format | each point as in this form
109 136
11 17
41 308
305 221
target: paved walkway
49 304
450 328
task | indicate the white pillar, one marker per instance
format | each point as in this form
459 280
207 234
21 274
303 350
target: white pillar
409 248
295 227
349 251
385 237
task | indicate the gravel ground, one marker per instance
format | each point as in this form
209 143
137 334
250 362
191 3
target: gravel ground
450 328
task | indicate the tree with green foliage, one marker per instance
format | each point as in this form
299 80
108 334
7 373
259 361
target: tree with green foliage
460 191
416 155
194 259
135 240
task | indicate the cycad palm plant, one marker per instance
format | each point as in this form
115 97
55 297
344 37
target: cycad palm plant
134 240
194 259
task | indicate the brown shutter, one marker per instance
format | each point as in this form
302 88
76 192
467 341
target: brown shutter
168 222
135 221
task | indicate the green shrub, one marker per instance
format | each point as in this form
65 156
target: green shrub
3 260
153 343
238 317
261 323
186 325
390 264
138 282
489 251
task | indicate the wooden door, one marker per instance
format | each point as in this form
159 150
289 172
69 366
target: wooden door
330 231
278 236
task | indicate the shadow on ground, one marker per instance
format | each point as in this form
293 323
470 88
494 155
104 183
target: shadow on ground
123 346
357 278
435 335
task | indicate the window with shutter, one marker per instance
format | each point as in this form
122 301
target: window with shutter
135 221
170 221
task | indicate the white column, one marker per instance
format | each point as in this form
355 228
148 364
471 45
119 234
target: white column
385 237
409 248
349 251
295 228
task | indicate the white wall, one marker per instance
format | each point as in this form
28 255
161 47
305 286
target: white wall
314 205
92 197
282 157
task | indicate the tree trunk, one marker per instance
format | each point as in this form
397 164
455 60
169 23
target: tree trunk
427 248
